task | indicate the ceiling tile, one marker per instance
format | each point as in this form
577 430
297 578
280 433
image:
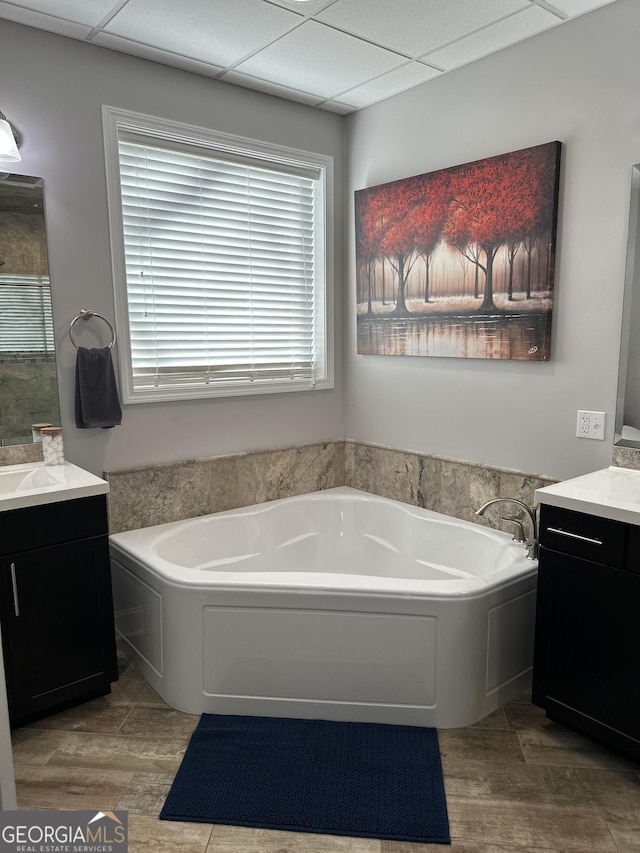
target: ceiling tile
89 12
413 27
219 33
337 107
156 55
338 55
578 7
493 38
10 12
318 59
269 88
310 7
389 84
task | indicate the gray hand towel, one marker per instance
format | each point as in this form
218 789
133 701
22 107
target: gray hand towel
97 401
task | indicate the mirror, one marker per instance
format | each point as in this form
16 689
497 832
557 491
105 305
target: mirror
628 399
28 378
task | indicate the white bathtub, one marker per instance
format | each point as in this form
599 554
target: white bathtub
334 605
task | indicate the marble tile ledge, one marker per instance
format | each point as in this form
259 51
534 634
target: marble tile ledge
142 497
626 457
20 454
452 486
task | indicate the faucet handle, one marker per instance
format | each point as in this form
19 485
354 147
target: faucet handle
518 533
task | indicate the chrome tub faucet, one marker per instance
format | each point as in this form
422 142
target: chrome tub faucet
531 544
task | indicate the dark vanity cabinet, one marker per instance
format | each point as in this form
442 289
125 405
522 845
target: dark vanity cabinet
56 606
587 648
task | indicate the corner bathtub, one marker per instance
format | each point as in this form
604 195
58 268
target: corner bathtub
333 605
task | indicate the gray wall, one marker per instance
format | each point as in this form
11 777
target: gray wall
53 91
579 84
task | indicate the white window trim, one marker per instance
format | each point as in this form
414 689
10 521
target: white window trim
115 119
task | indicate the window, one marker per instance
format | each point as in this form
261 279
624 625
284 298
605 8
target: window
26 324
218 249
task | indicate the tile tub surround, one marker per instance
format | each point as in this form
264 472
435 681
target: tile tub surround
142 497
450 486
19 454
626 457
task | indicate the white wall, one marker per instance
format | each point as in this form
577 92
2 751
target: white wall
580 84
53 90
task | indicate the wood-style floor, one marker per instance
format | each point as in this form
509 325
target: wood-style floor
514 782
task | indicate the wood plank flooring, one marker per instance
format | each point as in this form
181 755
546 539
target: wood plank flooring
515 782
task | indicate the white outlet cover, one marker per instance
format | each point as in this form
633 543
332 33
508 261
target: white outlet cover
591 424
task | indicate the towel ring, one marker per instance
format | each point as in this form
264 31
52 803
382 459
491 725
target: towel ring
86 314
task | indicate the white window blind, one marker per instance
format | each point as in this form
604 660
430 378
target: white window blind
224 268
26 323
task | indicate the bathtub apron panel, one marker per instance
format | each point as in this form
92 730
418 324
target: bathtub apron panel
442 649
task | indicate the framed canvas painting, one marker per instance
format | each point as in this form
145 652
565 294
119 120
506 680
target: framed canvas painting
460 262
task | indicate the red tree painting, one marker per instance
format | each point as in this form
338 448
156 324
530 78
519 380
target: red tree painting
417 239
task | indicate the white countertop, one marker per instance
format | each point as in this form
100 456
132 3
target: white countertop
610 493
35 483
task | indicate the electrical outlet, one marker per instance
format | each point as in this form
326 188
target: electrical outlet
590 425
583 424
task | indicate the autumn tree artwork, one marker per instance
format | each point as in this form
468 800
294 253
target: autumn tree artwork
460 262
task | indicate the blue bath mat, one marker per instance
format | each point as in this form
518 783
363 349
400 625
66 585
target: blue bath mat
359 779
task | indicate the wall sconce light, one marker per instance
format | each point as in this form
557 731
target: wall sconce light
8 142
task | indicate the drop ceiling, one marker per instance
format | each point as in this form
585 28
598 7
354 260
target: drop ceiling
339 55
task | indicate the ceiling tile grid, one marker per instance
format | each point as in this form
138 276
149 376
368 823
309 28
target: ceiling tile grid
492 38
413 27
399 80
63 27
320 59
156 54
340 55
220 32
87 12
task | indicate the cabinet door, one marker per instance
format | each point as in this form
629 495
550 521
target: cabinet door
59 638
587 640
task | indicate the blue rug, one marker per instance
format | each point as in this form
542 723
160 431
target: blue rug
359 779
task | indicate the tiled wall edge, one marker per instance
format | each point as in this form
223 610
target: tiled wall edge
549 478
155 494
19 454
142 497
626 457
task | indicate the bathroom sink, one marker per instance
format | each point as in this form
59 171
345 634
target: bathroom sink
27 478
32 484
